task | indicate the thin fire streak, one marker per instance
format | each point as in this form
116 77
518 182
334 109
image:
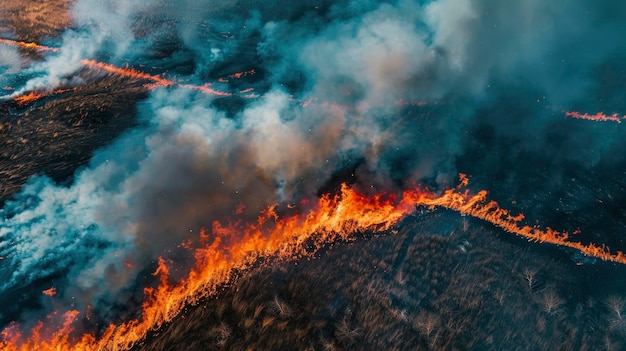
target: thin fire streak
128 72
230 248
36 95
27 45
598 117
237 75
158 81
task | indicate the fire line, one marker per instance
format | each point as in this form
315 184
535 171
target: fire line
226 249
598 117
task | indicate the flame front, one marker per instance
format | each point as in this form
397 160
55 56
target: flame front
228 249
129 72
29 98
157 80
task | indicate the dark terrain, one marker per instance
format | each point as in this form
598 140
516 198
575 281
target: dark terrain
442 282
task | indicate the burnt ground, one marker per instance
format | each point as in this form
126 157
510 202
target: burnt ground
57 134
35 20
442 282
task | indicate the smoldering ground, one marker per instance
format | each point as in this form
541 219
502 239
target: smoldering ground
485 82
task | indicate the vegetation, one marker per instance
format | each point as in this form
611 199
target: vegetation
428 287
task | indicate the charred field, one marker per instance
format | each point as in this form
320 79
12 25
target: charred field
421 286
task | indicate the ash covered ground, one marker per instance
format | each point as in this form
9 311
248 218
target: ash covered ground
105 172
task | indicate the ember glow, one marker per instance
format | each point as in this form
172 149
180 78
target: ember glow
29 98
28 46
158 81
129 72
283 237
598 117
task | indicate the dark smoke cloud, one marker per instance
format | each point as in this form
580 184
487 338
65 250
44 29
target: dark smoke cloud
461 61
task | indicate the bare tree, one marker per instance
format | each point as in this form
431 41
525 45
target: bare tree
616 306
427 323
530 278
551 301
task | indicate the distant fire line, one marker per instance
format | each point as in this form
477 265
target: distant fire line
598 117
158 81
27 45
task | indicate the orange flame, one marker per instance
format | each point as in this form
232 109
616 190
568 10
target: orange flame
236 246
598 117
50 292
29 46
28 98
237 75
158 81
128 72
36 95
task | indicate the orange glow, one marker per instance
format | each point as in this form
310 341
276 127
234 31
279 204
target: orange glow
28 98
50 292
158 81
29 46
206 88
128 72
238 75
598 117
232 247
36 95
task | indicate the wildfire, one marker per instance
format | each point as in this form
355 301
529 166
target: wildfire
237 75
28 98
36 95
29 46
229 248
50 292
157 81
598 117
128 72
